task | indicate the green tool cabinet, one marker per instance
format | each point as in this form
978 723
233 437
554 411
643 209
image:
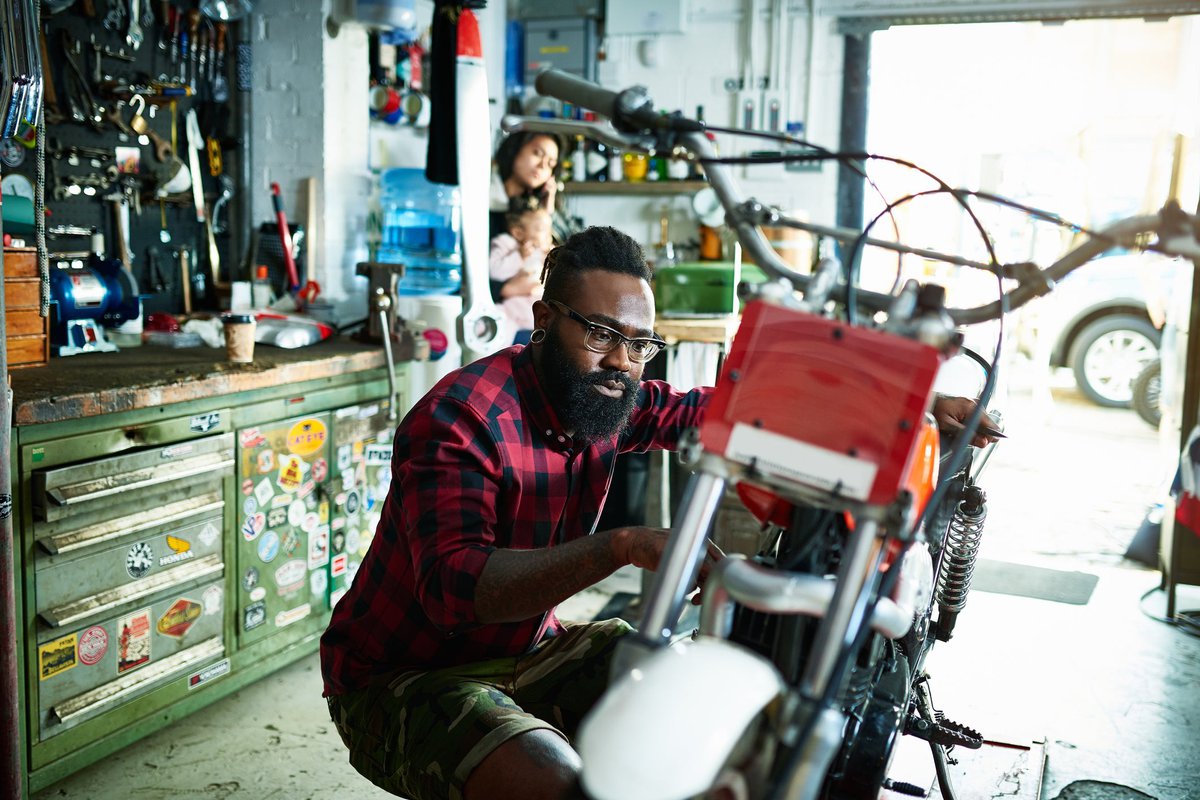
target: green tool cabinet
172 554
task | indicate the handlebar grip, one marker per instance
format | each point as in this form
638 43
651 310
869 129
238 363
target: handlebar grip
570 89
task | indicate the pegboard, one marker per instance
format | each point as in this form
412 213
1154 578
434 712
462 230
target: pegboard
77 33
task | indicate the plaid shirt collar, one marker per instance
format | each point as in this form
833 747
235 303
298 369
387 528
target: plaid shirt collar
537 404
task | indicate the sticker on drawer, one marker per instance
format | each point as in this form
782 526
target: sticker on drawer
203 423
93 645
56 657
377 454
318 548
213 599
290 577
253 526
268 547
177 450
139 559
254 615
276 517
209 673
291 473
306 437
133 644
181 550
177 620
251 437
285 618
263 491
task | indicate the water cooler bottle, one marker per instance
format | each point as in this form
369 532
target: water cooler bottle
422 225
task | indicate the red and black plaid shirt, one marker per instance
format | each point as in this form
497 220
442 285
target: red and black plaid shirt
480 463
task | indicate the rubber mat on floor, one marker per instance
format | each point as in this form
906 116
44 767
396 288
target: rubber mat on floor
1100 790
1022 580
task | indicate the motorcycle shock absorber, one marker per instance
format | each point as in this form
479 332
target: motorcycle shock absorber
958 558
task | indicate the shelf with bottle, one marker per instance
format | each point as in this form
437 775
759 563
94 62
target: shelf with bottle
633 187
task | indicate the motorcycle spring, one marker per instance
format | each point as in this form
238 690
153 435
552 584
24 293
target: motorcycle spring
958 558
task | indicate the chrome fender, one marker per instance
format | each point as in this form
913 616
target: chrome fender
664 730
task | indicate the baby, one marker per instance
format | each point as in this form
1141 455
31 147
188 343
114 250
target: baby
517 258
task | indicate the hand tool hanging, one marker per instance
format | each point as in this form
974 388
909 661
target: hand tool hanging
285 238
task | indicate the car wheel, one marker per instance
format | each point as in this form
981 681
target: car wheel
1147 389
1109 354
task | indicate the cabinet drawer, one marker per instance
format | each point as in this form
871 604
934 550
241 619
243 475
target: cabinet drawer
27 351
24 322
20 262
119 485
22 292
100 667
98 580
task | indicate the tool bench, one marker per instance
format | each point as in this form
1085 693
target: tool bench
183 527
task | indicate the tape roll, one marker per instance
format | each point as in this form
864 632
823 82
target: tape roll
417 109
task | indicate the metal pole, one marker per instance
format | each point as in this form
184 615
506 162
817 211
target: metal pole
856 84
11 774
1191 372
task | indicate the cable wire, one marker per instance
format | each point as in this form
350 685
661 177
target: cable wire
1186 621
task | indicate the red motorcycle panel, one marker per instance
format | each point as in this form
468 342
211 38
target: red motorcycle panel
816 402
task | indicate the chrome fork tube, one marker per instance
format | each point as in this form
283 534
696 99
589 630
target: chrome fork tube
831 634
680 561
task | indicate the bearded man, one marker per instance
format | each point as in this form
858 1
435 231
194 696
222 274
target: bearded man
446 671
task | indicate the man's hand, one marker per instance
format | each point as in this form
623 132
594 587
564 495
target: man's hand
643 547
952 412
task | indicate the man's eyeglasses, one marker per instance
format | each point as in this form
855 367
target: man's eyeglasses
602 339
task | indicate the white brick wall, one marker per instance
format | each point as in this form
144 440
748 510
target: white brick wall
311 119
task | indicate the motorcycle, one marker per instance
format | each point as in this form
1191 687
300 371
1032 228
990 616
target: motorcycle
808 663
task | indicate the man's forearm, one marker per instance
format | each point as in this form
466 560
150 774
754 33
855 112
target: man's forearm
519 584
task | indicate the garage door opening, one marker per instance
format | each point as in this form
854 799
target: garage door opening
1095 121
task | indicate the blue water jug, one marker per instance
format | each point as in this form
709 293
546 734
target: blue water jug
422 222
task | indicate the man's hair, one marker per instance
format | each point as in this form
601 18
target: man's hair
602 248
506 152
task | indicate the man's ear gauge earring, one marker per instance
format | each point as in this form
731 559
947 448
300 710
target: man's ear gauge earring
538 336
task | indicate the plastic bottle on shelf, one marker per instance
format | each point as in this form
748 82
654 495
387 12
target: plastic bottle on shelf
696 168
597 156
261 294
422 222
616 166
579 158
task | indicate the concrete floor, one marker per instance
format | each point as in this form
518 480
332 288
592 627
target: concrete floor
1114 695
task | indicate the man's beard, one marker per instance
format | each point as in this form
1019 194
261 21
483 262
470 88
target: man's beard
585 412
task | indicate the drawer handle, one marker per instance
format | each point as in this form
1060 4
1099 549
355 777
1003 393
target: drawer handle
78 610
132 523
86 491
102 696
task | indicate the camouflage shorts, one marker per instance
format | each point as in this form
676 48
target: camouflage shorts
422 734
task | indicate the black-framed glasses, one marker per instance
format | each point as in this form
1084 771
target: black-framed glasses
603 339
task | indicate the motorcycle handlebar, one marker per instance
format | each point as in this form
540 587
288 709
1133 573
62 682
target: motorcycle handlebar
570 89
632 113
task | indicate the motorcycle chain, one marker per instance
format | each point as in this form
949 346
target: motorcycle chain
944 732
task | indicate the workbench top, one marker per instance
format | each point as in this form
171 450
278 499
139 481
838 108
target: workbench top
149 376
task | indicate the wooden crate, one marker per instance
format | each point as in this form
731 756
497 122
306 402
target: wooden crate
26 332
